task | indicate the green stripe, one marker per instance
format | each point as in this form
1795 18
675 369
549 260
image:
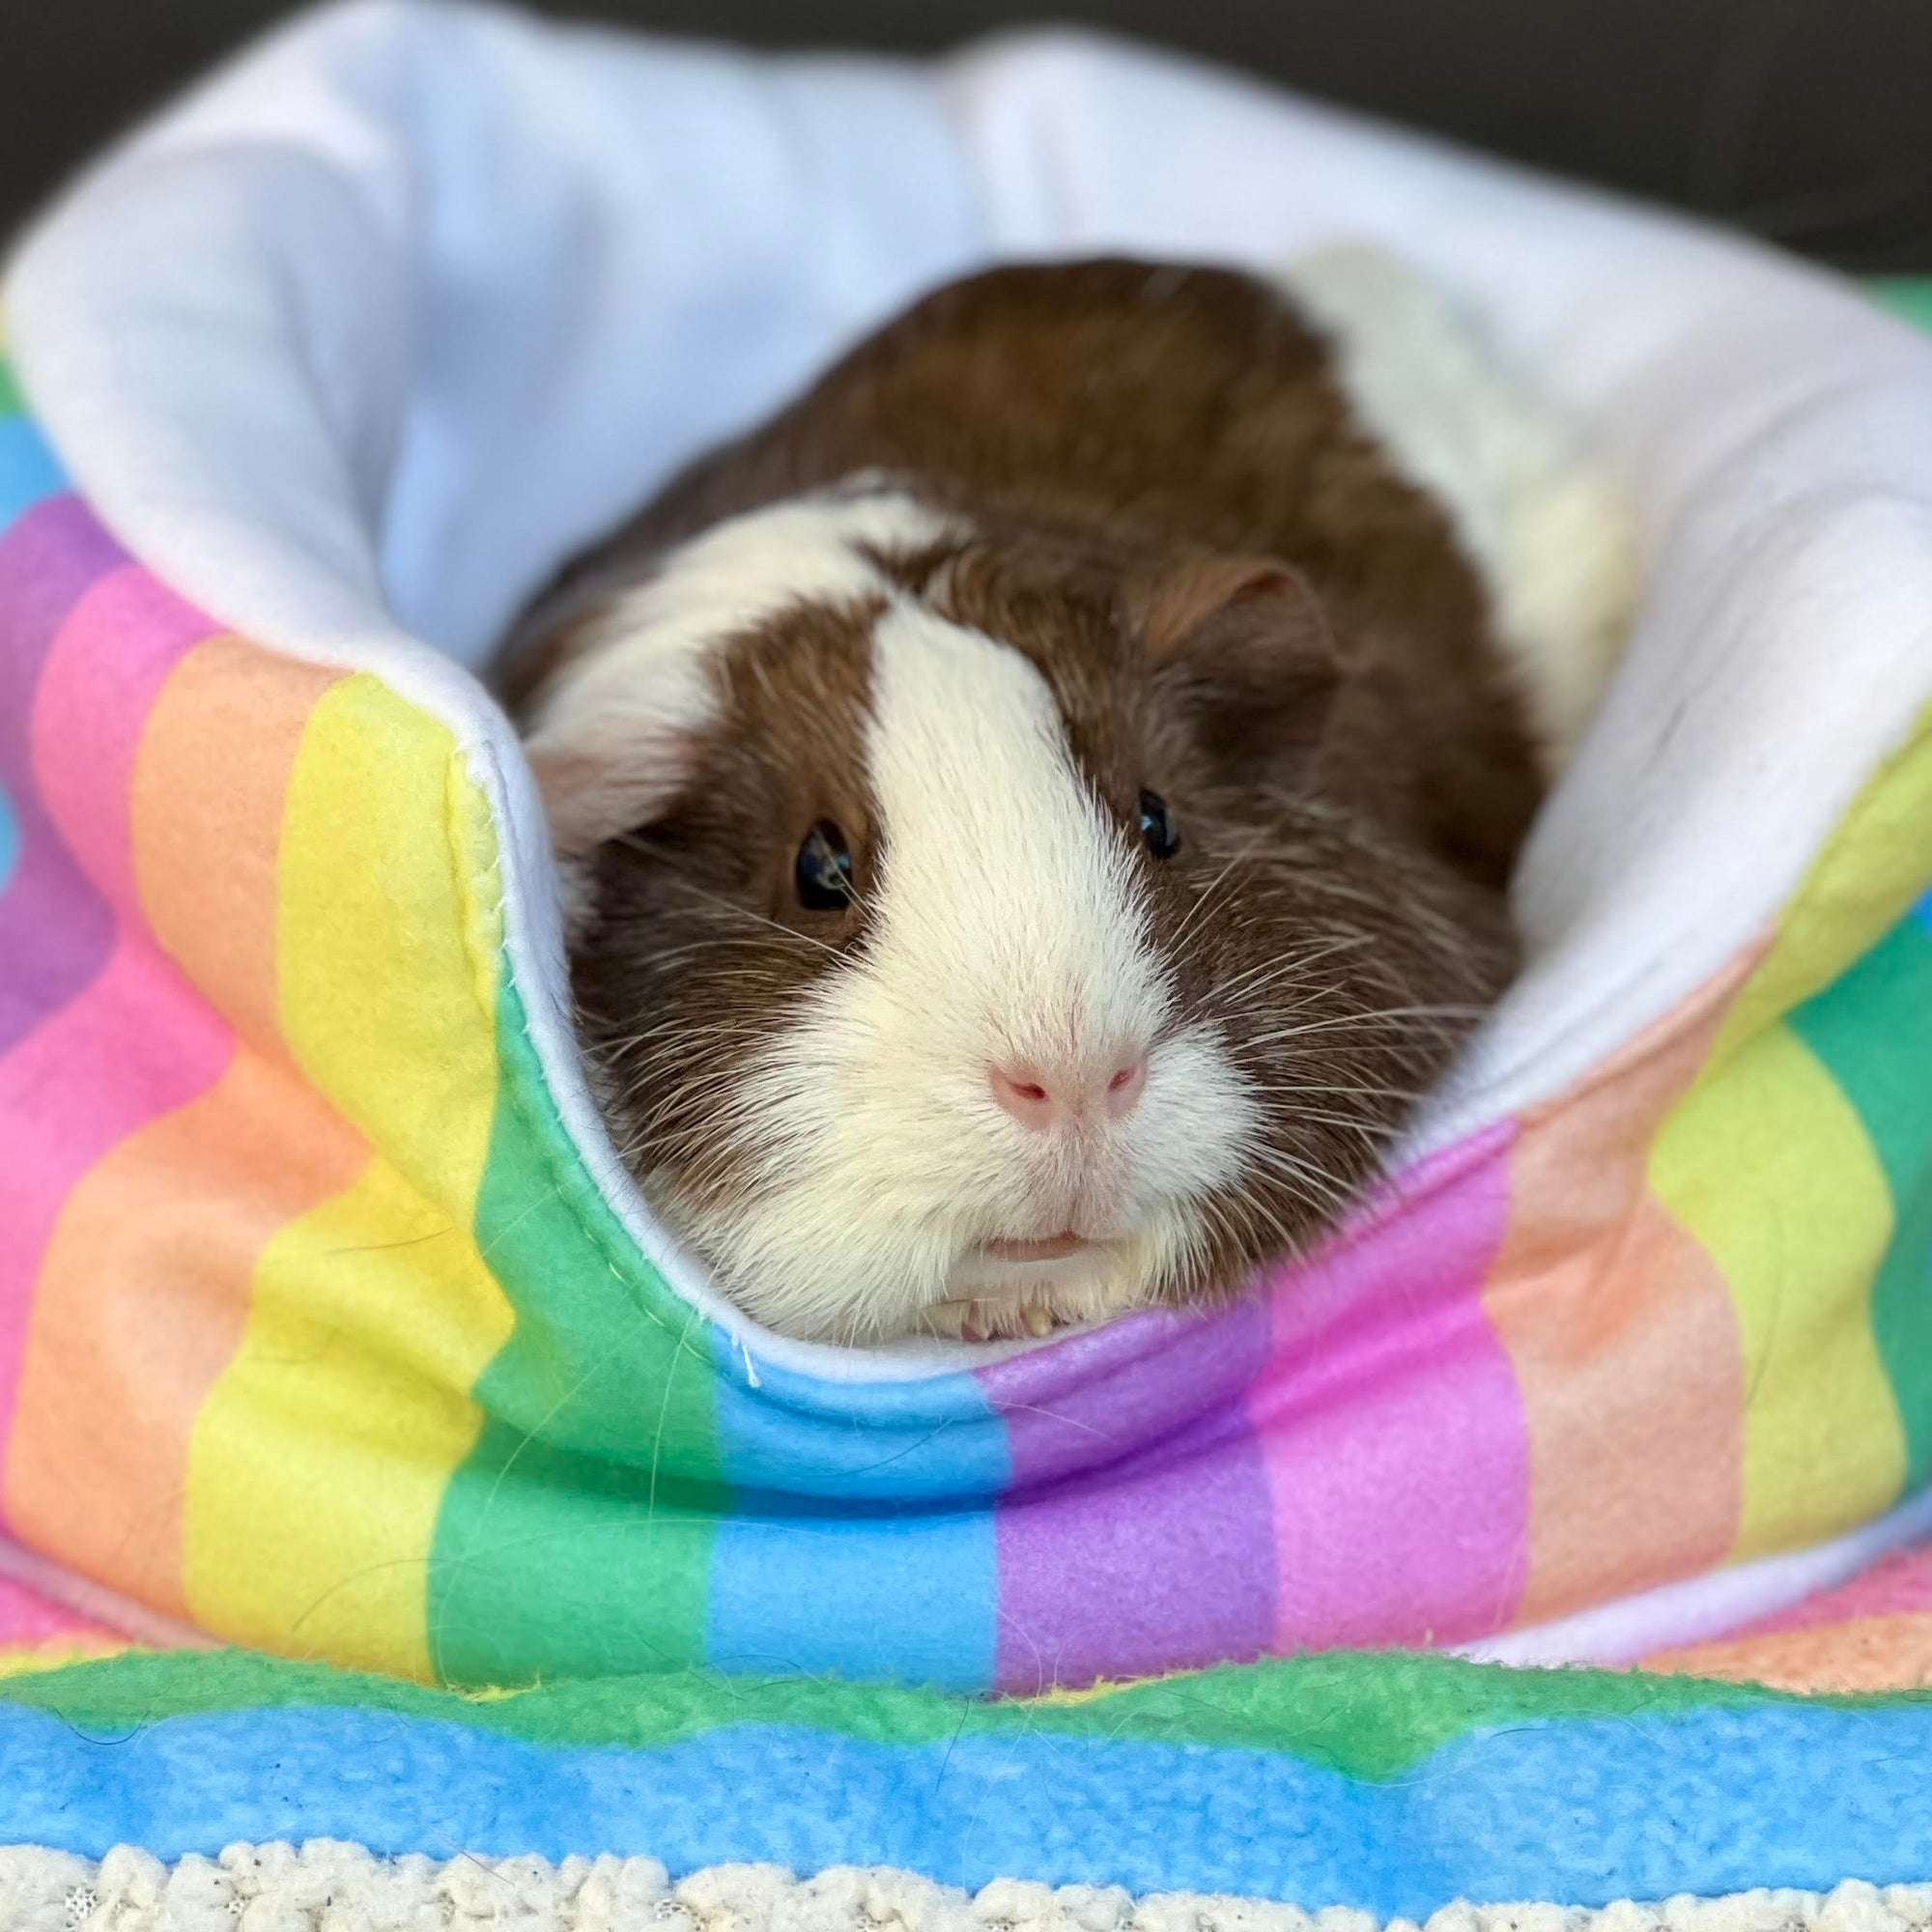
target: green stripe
1901 1318
577 1536
10 404
1906 296
1366 1715
1872 1028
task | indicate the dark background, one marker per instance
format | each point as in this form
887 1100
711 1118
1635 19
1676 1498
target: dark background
1808 121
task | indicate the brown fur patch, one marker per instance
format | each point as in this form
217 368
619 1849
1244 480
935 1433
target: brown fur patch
1113 433
1171 411
696 938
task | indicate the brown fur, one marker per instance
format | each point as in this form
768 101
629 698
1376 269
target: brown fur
1237 603
699 936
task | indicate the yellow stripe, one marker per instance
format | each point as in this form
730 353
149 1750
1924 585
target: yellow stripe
320 1459
1767 1165
1864 878
57 1657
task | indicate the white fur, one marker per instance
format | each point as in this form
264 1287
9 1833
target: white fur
1007 926
610 737
1548 529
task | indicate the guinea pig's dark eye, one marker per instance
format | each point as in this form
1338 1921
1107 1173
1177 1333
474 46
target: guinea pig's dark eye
1159 833
824 870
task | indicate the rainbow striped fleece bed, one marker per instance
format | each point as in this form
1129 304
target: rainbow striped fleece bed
330 1328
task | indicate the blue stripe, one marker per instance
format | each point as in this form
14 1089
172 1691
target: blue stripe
903 1597
9 839
1581 1813
880 1492
28 471
932 1440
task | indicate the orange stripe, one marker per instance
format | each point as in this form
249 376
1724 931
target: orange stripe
1621 1333
1889 1653
144 1291
208 791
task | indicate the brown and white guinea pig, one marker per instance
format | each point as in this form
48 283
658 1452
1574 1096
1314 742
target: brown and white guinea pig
1035 815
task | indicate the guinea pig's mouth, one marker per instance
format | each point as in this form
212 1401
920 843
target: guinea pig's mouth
1014 1285
1055 1248
1012 1268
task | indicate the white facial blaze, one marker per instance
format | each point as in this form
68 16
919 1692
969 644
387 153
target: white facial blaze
1006 928
1009 924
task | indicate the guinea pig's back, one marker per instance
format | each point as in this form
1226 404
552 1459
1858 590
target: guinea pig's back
1170 408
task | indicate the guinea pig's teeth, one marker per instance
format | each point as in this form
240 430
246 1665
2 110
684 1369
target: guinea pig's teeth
1038 1320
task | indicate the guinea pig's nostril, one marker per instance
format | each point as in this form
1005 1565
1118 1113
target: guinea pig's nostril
1042 1100
1021 1091
1126 1088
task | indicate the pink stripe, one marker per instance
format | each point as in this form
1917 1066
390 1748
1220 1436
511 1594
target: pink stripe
80 1598
54 931
1897 1585
28 1621
139 1042
101 677
1388 1416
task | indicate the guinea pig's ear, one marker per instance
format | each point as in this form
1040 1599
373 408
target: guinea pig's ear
615 738
1241 648
594 791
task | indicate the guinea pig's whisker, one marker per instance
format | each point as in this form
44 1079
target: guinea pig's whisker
1279 969
1267 972
681 1028
1256 1212
674 1117
1368 1022
1283 1161
694 946
1313 1190
685 1093
725 905
1293 1088
1257 981
653 1053
1312 996
1220 879
1374 1129
1341 891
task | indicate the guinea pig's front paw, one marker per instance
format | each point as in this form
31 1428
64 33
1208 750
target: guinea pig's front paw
994 1319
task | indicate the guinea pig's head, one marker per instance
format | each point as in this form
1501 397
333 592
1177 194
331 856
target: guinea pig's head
958 923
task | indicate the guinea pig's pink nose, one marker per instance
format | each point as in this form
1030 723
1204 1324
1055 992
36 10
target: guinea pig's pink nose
1041 1100
1125 1087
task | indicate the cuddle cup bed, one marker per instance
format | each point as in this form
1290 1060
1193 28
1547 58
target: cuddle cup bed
329 1325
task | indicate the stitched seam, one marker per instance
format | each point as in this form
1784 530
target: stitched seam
492 967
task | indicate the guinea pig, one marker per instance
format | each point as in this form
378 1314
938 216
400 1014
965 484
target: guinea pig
1036 816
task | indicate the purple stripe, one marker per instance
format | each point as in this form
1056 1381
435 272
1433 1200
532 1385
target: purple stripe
1161 1559
1142 1571
1096 1397
55 928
